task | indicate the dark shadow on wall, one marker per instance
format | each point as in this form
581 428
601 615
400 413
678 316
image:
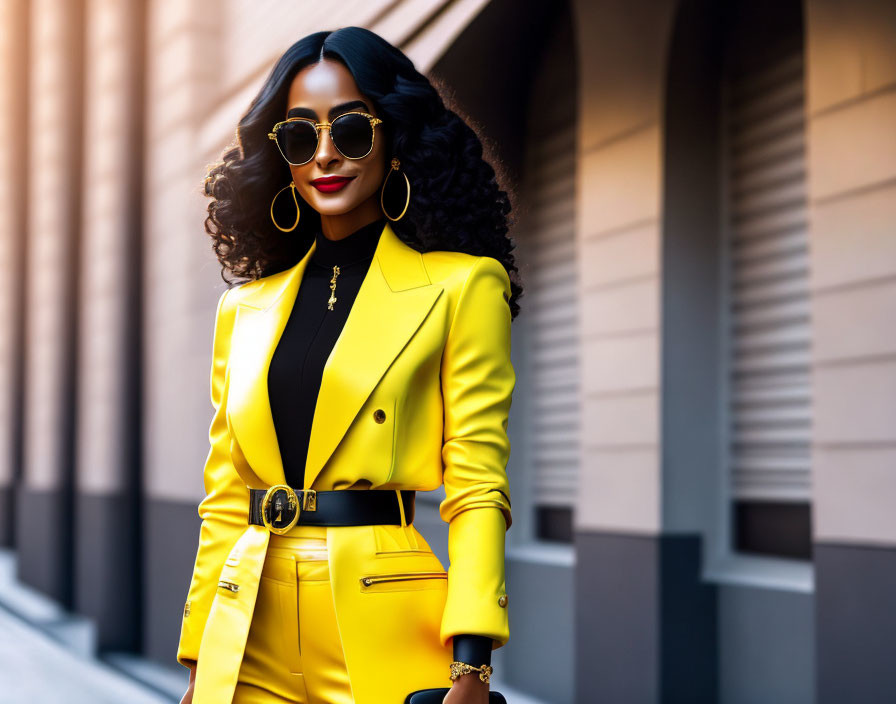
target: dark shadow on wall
489 69
691 356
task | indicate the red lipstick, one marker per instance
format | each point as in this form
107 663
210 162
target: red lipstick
331 184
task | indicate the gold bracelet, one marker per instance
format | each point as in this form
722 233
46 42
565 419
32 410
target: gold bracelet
463 668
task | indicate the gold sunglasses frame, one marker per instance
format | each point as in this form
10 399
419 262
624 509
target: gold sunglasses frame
374 121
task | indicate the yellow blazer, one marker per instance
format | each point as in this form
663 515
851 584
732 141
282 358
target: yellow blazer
428 342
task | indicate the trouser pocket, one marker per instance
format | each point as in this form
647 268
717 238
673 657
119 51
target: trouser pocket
403 581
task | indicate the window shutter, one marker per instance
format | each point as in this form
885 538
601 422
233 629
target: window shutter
769 332
547 244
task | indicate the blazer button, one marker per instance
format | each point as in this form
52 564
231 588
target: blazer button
379 415
502 601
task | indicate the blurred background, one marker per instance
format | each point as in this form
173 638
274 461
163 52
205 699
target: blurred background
704 423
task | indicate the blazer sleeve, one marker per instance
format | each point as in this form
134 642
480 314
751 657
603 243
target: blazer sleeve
477 380
224 512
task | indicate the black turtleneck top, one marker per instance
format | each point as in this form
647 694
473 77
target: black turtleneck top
309 336
297 366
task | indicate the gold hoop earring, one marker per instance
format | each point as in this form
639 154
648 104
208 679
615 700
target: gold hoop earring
395 164
292 185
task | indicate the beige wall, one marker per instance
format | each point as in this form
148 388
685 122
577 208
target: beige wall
621 76
52 226
180 280
13 128
851 87
108 315
851 49
206 60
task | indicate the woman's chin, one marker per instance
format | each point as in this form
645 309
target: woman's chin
331 206
330 203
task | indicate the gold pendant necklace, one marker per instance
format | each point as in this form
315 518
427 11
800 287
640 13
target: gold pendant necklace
333 288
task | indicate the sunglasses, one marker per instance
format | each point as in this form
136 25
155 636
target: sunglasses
298 137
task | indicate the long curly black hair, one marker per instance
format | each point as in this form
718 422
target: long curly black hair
458 202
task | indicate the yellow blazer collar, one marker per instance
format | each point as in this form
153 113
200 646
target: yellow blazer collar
394 298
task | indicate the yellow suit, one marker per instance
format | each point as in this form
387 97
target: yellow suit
427 341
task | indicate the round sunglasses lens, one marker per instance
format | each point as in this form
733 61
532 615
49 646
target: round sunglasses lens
353 135
297 141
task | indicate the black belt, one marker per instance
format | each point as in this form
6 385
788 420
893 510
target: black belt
287 507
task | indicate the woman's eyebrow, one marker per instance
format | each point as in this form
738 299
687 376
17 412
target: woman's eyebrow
334 111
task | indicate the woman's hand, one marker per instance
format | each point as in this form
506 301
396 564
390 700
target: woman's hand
188 695
467 689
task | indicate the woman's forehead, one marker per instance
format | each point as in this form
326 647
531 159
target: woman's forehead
323 84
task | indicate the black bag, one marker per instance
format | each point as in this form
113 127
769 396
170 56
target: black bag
437 694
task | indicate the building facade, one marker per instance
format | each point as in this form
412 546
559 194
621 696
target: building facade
703 440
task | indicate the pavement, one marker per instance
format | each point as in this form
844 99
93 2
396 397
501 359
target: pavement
35 669
47 655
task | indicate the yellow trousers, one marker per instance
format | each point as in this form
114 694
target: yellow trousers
293 651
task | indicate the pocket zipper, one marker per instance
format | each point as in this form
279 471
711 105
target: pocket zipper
401 576
231 586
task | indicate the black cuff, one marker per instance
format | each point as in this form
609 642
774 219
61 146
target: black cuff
473 650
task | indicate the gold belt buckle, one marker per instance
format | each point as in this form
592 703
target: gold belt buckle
288 504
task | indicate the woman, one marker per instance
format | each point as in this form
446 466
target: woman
353 189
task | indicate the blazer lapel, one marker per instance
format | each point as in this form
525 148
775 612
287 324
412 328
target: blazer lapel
394 299
260 320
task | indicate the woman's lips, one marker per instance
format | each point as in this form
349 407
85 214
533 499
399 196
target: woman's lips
331 184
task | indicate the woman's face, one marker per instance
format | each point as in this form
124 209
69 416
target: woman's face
321 92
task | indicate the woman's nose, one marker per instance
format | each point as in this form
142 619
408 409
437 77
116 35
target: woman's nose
326 152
